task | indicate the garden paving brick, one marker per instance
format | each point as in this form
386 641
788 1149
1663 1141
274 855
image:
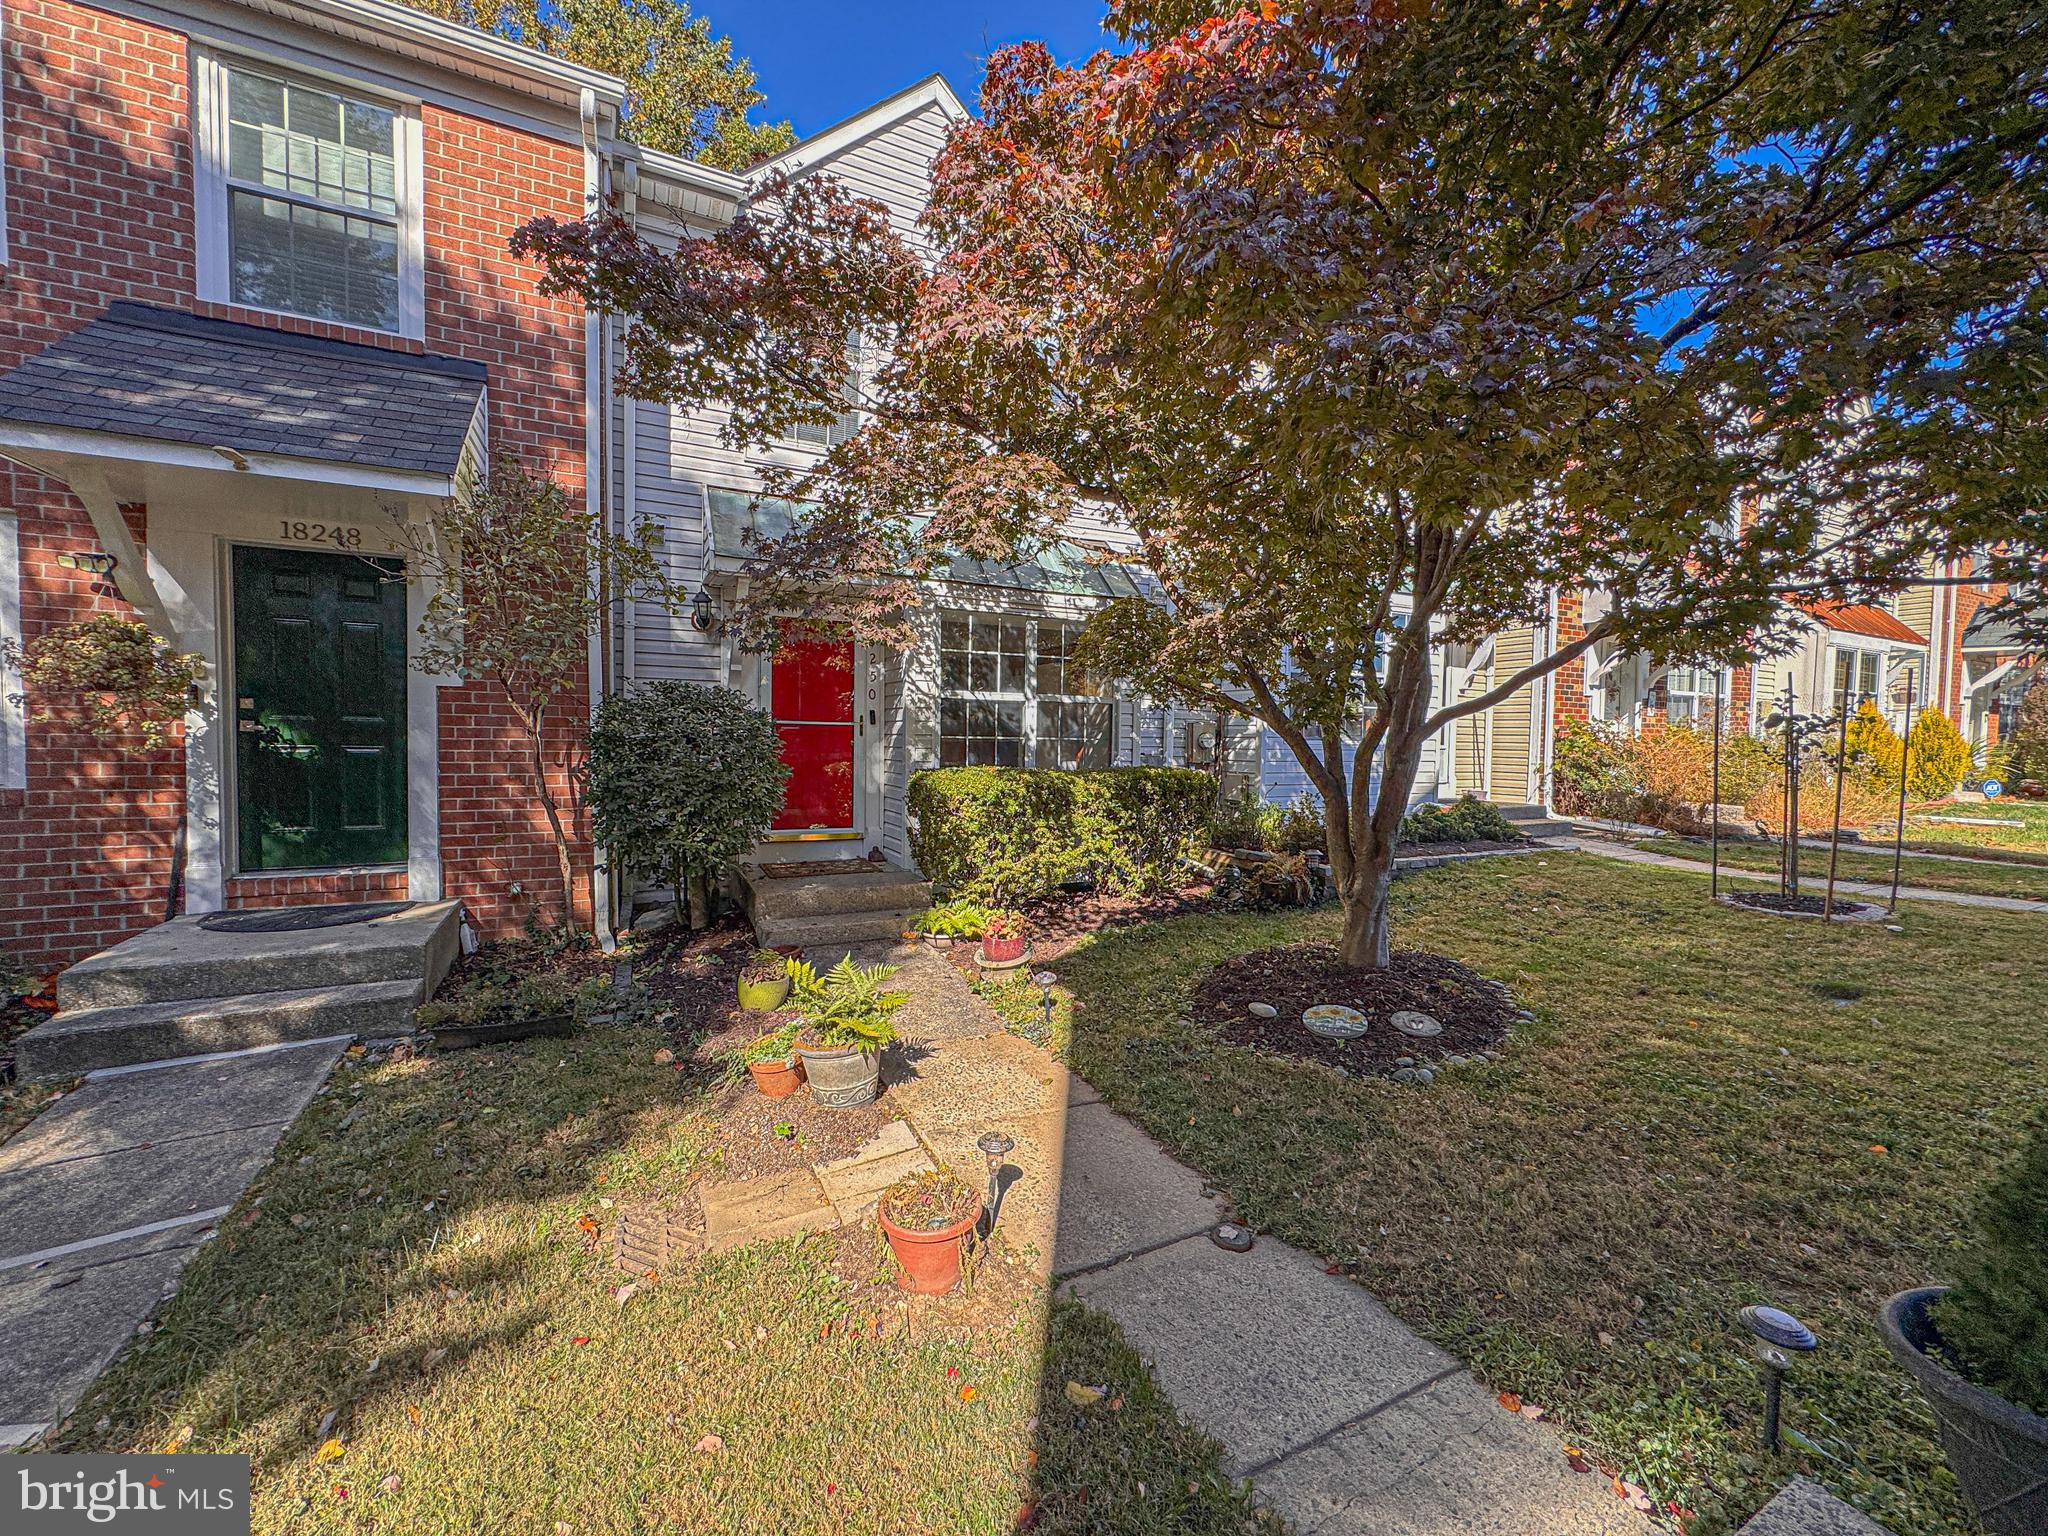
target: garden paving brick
776 1205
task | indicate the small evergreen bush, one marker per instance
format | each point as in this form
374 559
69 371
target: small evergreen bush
682 779
1940 759
2028 744
1243 821
1467 820
1014 834
1996 1318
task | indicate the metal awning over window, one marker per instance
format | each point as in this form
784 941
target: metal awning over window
1061 568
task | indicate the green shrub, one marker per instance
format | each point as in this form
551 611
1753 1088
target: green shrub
682 779
1656 775
1012 834
1298 827
1244 820
1465 820
955 919
2028 744
1940 760
1996 1318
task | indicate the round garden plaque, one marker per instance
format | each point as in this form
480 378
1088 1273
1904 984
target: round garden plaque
1333 1021
1420 1025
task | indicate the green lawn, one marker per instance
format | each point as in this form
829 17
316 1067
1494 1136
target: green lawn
414 1264
2023 829
1984 878
1711 1108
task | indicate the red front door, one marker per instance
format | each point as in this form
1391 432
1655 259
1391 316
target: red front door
810 685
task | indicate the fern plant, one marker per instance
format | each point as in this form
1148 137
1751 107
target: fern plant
851 1006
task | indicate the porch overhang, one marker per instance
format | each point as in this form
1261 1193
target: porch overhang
1060 568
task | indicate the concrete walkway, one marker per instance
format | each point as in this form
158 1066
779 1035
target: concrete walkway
1344 1418
106 1195
1865 889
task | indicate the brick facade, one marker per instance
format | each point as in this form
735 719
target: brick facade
99 186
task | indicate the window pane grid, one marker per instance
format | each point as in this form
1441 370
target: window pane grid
312 202
1011 695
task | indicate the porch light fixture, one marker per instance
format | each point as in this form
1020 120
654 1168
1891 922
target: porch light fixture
1780 1339
702 615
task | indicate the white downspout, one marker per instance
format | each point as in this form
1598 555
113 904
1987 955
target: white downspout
595 488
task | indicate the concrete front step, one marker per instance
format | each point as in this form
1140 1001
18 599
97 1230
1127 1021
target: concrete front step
180 960
84 1039
837 928
1535 821
862 888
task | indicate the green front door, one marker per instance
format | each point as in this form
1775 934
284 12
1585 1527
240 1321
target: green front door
320 709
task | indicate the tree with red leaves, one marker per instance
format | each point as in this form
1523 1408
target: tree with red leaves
1380 323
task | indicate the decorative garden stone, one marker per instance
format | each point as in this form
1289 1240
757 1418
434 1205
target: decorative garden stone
1263 1011
1420 1025
1333 1021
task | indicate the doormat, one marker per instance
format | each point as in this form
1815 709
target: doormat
294 919
804 869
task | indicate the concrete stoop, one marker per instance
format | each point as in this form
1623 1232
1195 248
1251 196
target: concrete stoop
858 903
1804 1508
181 990
1535 821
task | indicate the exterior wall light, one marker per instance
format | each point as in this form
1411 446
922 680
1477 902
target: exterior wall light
95 564
702 615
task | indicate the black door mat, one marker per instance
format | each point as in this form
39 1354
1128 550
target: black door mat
296 919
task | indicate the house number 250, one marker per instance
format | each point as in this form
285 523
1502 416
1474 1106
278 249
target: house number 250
322 533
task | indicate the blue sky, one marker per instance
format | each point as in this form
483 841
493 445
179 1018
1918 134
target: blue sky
821 62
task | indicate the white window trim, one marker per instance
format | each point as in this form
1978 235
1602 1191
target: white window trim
1027 701
1876 648
210 192
13 723
1713 683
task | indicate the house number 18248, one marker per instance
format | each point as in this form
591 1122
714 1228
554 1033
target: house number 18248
322 533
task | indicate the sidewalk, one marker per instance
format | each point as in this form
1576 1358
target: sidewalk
1863 888
106 1195
1344 1418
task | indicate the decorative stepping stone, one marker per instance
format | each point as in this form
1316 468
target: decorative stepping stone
1420 1025
1263 1011
1333 1021
1230 1236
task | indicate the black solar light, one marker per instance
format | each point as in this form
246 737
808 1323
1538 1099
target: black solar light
1045 979
1780 1340
995 1146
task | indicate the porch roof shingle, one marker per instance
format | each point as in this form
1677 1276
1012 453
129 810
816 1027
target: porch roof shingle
1061 567
1865 619
167 376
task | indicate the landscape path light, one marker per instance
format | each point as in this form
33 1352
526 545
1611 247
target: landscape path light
1781 1339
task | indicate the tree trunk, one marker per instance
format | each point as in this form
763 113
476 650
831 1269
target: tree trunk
535 721
1368 940
700 902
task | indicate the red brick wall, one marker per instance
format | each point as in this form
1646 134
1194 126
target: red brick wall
99 190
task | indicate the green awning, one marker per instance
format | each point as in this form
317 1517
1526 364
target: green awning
1061 568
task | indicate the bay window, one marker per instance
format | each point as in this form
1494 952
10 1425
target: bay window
1011 695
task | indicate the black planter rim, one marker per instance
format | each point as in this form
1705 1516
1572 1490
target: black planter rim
1909 1332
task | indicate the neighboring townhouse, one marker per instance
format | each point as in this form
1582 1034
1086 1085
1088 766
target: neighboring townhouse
258 306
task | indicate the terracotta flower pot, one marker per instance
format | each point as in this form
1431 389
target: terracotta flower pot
763 996
1001 951
928 1263
777 1079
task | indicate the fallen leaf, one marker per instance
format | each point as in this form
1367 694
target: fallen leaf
432 1358
1532 1413
626 1293
581 1338
1879 1148
710 1445
390 1484
831 1488
1509 1401
968 1394
331 1449
952 1370
1116 1405
664 1056
1082 1397
412 1411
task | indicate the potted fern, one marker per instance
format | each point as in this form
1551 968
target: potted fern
846 1017
1979 1351
950 920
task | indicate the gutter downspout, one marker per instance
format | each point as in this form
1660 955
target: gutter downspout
629 448
596 492
1541 738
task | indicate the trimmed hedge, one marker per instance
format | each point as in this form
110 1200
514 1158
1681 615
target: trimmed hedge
1012 834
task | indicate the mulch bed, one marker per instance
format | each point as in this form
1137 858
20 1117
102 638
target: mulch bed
749 1147
1474 1011
1801 905
1482 845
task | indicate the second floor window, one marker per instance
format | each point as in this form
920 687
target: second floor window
310 201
